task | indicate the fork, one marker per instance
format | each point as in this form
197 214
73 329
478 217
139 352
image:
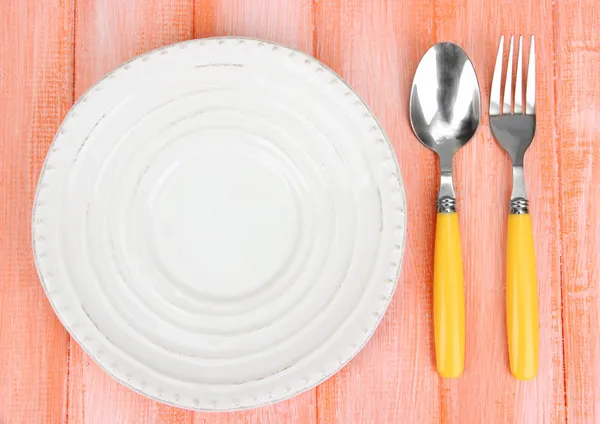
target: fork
514 129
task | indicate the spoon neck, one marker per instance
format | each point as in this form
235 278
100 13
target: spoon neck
446 202
446 155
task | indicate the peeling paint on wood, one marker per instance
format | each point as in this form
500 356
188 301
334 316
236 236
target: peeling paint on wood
51 52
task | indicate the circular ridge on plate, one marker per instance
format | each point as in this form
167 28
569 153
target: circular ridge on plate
291 160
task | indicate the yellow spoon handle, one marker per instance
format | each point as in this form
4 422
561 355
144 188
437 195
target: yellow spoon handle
521 298
448 297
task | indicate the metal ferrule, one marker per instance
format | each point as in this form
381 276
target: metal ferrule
446 204
518 206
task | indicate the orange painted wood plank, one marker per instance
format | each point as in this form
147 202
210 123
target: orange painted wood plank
376 46
394 378
289 22
578 128
109 32
36 90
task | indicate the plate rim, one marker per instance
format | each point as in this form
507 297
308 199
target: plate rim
206 406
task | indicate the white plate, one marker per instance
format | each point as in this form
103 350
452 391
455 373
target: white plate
220 223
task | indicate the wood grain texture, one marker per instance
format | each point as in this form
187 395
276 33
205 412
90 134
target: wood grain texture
36 68
578 131
289 22
107 33
52 51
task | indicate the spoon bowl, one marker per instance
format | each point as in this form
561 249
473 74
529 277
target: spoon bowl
445 101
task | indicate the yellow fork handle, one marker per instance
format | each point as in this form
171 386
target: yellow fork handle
448 297
521 298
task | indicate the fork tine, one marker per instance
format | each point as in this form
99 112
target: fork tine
530 90
519 82
506 109
496 82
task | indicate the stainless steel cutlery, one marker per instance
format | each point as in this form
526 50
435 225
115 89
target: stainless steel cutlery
444 114
514 127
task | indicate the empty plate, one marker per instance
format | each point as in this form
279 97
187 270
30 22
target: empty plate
220 223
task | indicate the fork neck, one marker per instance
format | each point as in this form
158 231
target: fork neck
518 199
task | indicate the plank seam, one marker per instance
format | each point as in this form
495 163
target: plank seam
194 19
555 30
68 376
313 14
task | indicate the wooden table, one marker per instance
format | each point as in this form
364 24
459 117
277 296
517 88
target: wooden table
51 51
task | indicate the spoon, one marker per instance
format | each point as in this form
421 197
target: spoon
444 114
